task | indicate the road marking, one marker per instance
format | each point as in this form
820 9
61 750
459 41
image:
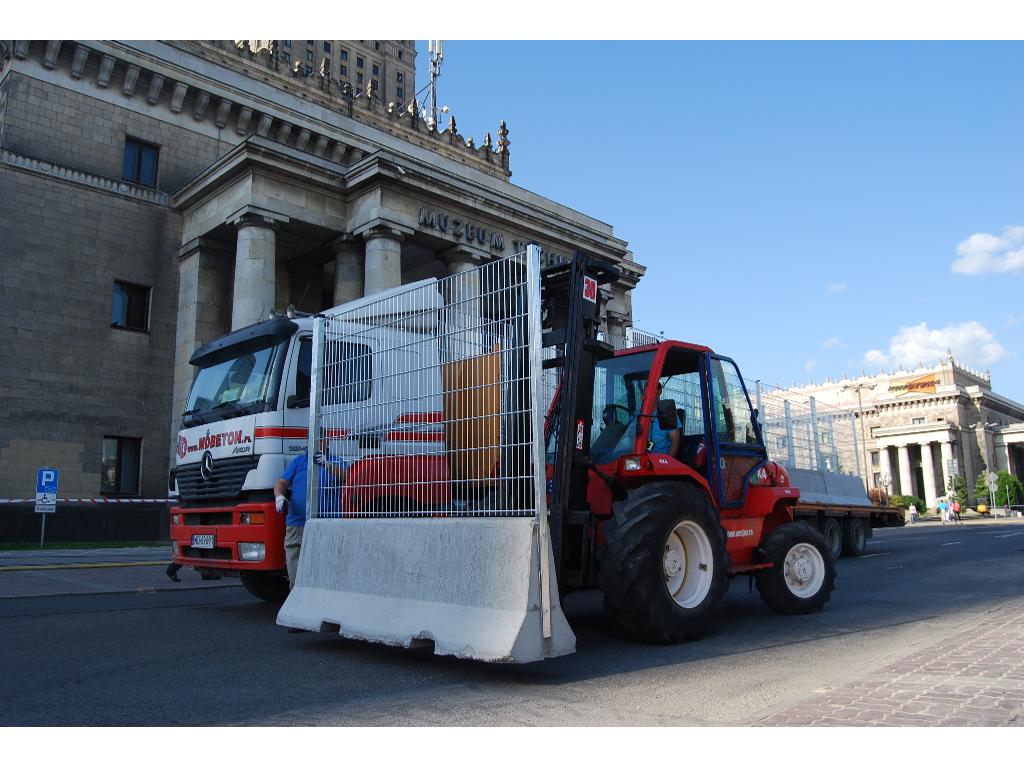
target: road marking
874 554
951 543
63 566
1008 535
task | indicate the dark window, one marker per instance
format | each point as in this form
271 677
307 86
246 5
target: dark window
309 56
309 42
303 370
344 70
131 307
359 61
400 77
140 161
399 93
286 57
376 46
343 54
287 43
401 54
121 459
376 69
376 85
359 78
327 47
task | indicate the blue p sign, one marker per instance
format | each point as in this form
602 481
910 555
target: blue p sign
46 480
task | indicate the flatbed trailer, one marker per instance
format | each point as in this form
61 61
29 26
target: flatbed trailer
847 527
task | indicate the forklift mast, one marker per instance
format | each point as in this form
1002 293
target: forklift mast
571 307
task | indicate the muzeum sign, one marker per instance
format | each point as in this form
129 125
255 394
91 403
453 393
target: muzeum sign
471 232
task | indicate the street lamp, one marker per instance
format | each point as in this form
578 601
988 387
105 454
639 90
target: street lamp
860 414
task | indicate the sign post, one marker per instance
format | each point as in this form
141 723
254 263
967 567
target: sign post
46 497
993 484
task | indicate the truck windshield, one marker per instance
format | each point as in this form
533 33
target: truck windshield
237 386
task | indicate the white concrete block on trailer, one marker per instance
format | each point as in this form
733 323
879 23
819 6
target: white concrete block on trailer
471 585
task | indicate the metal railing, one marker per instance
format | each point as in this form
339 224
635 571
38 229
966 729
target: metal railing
427 400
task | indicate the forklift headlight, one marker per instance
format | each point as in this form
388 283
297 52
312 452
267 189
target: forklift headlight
631 463
175 519
252 552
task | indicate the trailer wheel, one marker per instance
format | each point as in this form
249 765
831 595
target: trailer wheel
266 586
803 573
855 537
663 565
833 534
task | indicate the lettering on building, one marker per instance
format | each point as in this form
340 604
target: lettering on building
921 384
547 256
468 231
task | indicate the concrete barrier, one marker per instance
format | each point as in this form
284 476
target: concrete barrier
819 487
469 585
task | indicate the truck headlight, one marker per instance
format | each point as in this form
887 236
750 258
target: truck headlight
175 519
252 552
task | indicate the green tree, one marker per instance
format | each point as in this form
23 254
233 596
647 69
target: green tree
959 489
1009 491
981 494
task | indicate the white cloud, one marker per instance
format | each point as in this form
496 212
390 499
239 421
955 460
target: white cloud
831 342
835 287
982 252
810 365
971 343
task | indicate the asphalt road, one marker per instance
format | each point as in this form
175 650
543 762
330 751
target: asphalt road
143 651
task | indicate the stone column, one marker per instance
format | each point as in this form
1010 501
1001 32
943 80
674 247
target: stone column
928 470
204 311
946 452
348 269
255 264
383 259
884 466
906 478
462 296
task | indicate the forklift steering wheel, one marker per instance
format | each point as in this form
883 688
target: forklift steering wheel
608 414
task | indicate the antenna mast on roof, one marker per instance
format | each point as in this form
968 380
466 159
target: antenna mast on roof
435 52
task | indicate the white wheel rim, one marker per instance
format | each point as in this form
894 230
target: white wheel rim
688 565
804 570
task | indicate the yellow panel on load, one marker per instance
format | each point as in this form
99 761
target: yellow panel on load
472 402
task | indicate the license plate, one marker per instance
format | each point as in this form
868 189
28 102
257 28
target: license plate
202 540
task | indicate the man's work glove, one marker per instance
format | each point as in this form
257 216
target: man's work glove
319 458
280 502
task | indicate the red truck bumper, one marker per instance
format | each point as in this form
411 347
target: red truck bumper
262 538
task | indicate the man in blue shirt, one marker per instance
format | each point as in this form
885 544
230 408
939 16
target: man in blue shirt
332 477
663 440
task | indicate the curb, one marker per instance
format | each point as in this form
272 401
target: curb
140 591
66 566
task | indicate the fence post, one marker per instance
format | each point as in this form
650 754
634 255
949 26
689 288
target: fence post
790 448
760 407
832 438
816 437
316 380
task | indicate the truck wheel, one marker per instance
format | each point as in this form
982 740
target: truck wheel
663 564
266 586
803 573
855 537
833 534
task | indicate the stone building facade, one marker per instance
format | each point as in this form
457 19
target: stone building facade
155 195
916 429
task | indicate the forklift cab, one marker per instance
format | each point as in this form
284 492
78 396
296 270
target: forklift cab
703 396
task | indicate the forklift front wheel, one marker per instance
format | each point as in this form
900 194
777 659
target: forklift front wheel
803 573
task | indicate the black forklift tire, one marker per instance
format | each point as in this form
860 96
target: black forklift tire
663 567
855 536
803 571
832 531
266 586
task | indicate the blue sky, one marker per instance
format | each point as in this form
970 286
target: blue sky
799 206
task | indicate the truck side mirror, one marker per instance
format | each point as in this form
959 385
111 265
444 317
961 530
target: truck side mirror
667 416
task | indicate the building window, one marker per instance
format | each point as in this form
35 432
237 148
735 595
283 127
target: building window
309 56
327 66
343 54
874 458
780 442
121 461
376 85
918 420
344 70
286 57
131 307
359 61
359 78
140 162
327 47
376 70
376 47
309 42
287 43
399 93
401 54
400 77
826 438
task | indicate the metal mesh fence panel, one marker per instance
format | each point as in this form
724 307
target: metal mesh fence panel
424 404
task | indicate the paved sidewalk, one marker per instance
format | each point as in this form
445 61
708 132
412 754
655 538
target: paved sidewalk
975 677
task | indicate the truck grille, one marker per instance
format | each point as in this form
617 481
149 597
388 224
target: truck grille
225 481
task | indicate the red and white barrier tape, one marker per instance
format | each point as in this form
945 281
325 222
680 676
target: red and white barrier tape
92 501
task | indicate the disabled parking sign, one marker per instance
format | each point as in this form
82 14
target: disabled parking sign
46 490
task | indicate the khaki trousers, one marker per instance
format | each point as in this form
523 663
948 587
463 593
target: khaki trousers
292 544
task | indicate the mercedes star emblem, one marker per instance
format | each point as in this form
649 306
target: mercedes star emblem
206 466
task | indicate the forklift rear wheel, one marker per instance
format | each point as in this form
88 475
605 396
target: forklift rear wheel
266 586
833 534
855 537
803 572
663 565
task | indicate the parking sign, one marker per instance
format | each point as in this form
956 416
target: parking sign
46 490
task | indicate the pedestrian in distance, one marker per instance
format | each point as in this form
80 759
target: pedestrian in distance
912 512
332 477
956 511
942 511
